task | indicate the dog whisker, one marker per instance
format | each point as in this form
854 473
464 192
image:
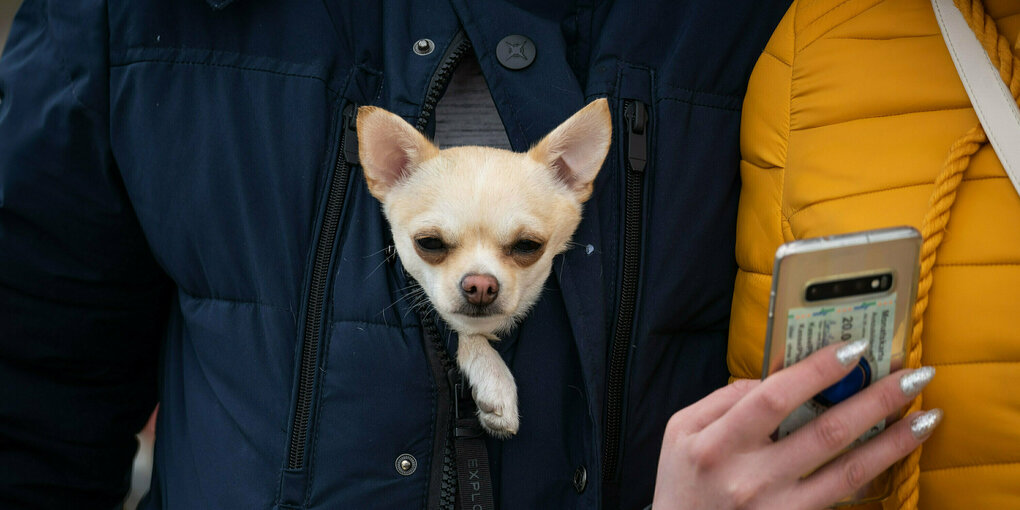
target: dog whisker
374 269
411 296
374 253
418 301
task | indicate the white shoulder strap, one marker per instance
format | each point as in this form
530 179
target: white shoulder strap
992 101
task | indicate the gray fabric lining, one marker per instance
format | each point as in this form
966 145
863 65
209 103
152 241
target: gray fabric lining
466 114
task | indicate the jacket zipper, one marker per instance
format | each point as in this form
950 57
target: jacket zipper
454 52
442 366
635 146
317 289
439 358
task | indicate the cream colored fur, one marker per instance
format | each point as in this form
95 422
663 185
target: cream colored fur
482 202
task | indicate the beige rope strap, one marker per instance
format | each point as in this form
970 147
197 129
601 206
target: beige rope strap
937 217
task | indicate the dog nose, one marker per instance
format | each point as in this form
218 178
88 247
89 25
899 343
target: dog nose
479 289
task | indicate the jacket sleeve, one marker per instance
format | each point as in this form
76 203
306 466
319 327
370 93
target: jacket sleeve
764 132
82 302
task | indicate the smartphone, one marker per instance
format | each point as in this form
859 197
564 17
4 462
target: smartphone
844 288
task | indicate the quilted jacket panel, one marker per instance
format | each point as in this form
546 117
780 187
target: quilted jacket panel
848 119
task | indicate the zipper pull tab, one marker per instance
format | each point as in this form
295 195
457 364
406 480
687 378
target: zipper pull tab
636 114
350 134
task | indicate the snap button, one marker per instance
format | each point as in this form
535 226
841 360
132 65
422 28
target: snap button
515 52
580 479
406 464
423 46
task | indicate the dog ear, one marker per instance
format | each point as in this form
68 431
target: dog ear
389 149
576 149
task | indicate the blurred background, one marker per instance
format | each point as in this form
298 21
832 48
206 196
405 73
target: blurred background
143 461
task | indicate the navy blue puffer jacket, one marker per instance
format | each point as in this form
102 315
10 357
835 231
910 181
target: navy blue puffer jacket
183 220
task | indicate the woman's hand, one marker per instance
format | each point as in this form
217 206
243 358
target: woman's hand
717 452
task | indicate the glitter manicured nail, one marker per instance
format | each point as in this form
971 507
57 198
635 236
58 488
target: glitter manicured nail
911 384
851 352
924 423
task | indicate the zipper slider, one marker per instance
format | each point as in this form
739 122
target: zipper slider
350 134
636 115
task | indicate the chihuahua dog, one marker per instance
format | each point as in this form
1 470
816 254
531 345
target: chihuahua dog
478 228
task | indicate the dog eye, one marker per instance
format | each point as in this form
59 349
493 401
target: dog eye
430 243
526 246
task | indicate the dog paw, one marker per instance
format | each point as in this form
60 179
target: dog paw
492 385
497 406
500 422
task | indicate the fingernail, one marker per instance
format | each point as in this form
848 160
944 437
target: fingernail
851 352
922 425
913 382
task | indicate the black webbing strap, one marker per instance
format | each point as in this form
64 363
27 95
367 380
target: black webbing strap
474 484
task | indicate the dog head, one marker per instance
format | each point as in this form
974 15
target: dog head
478 227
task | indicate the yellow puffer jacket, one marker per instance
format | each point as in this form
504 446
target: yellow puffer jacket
848 119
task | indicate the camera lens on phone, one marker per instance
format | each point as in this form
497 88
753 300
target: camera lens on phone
848 287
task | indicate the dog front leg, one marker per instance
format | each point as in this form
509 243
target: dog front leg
492 385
